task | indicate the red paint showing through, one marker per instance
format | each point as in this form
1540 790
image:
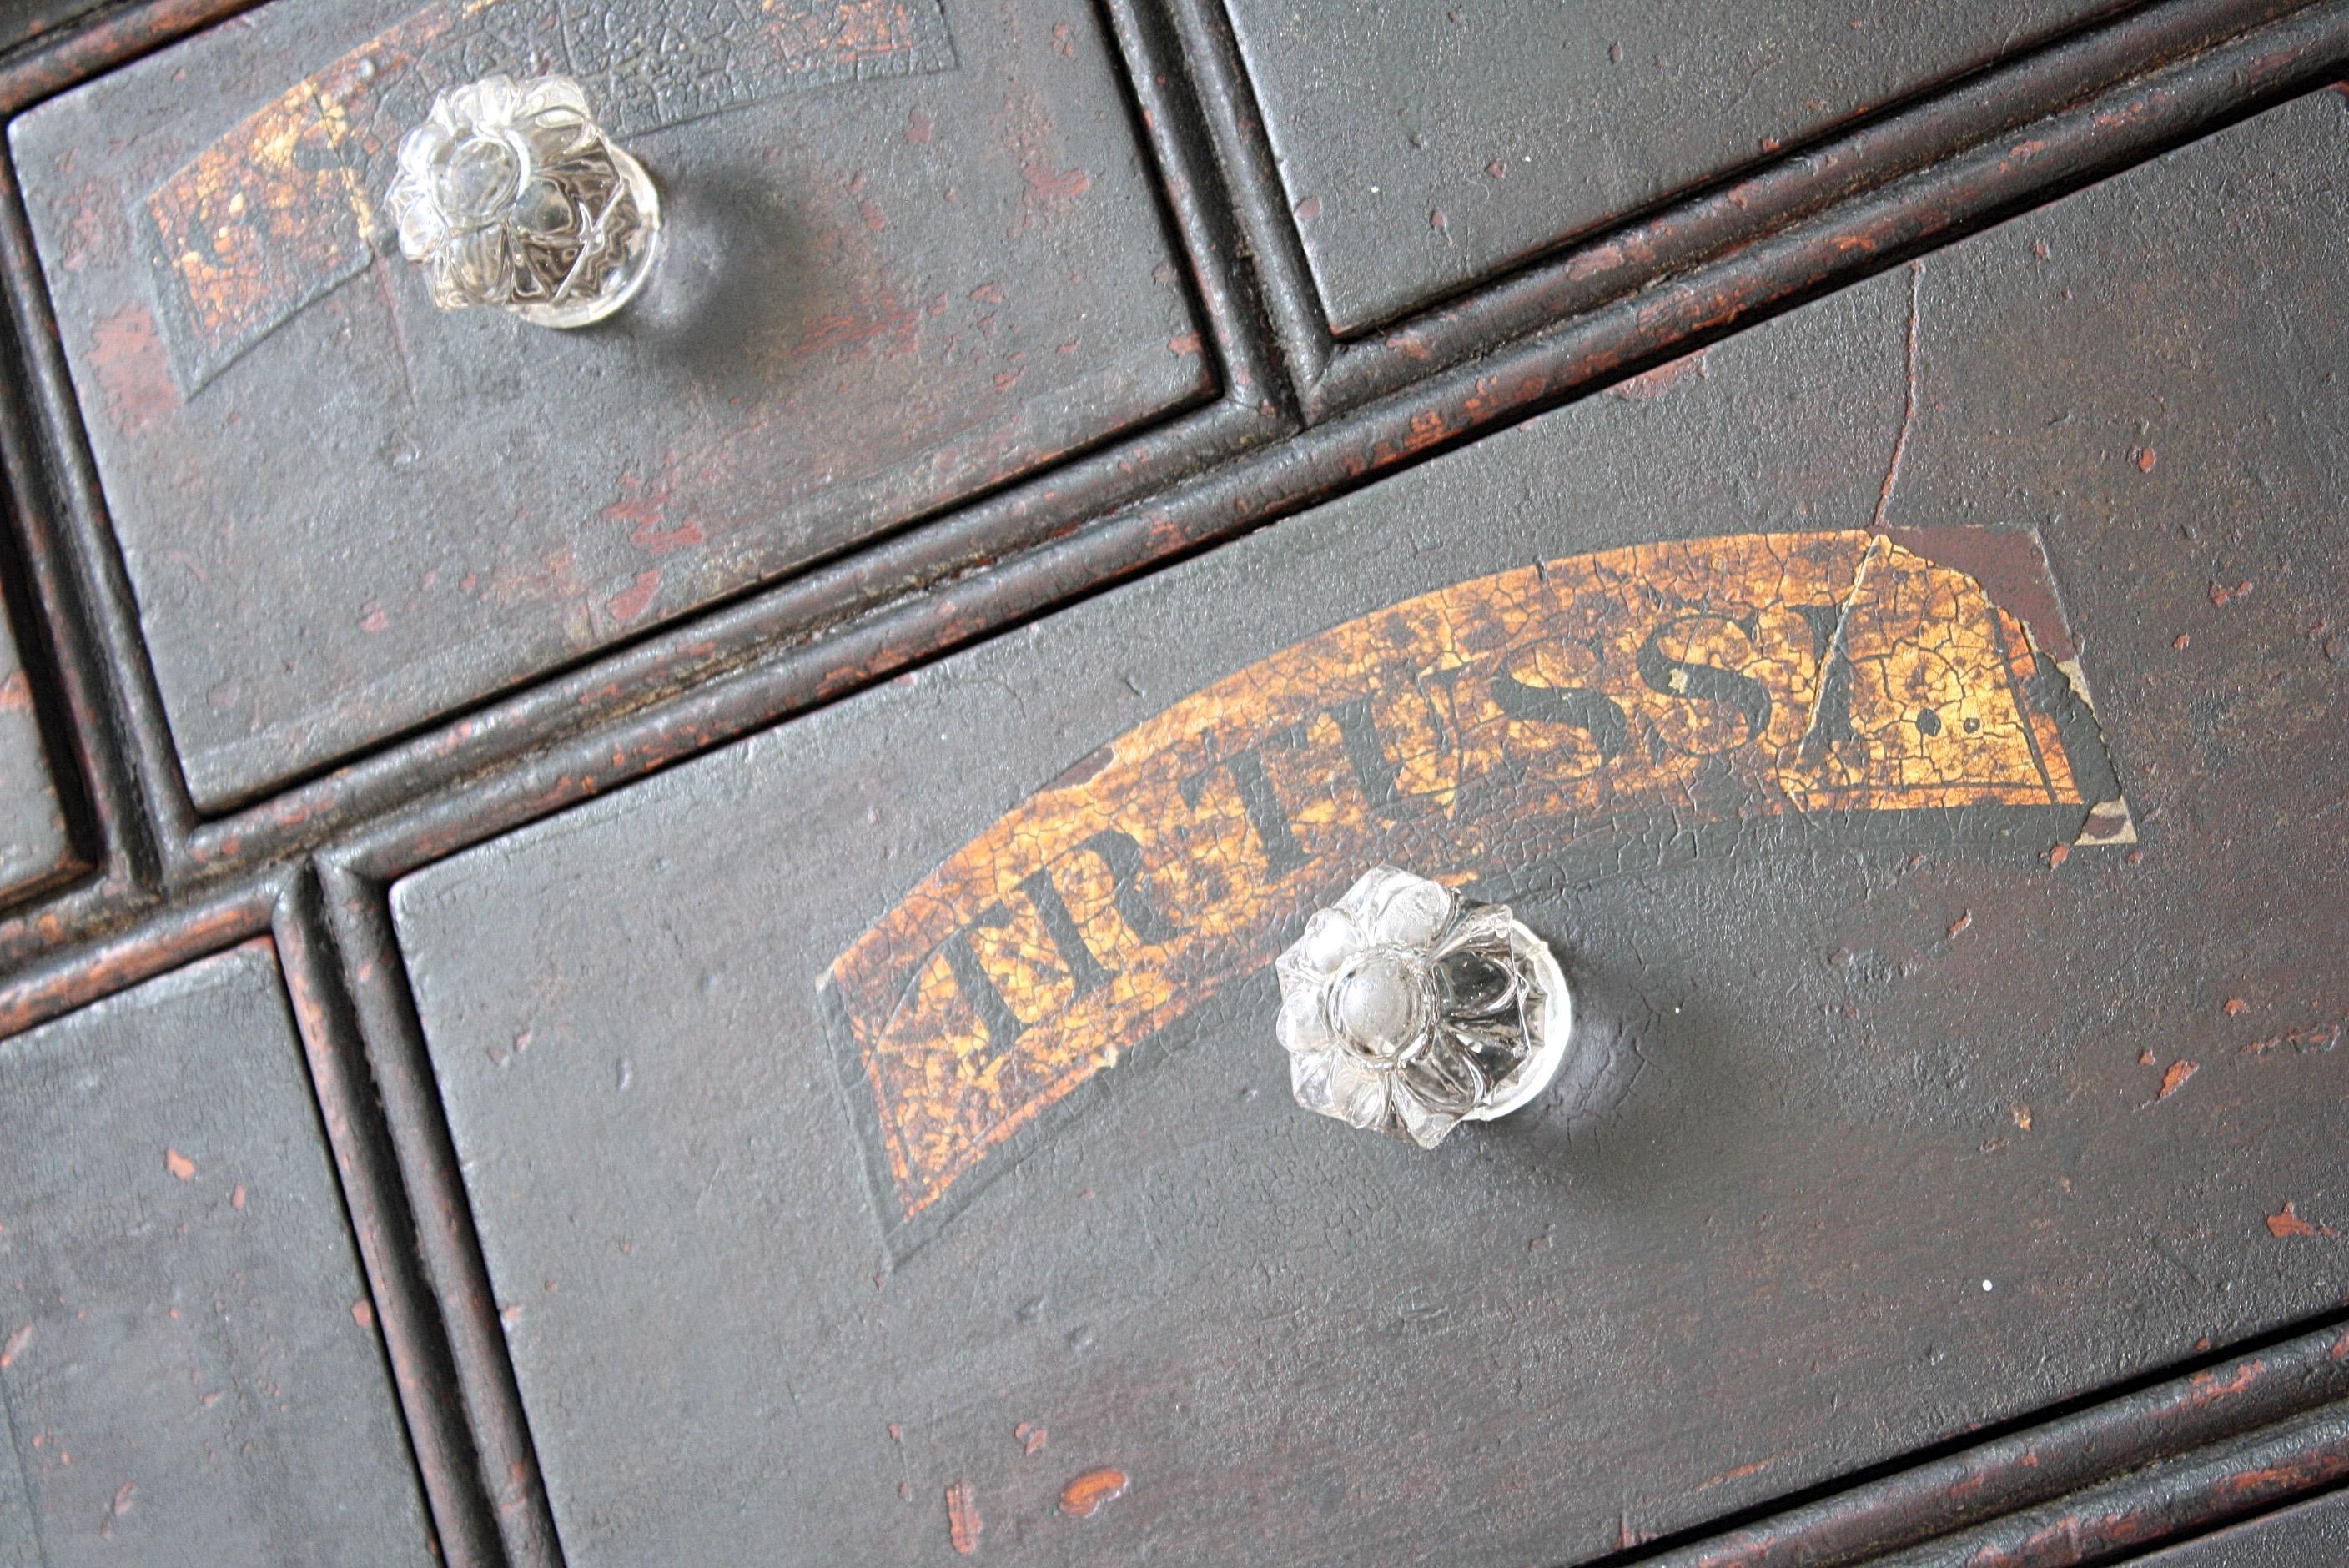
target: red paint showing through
1090 1492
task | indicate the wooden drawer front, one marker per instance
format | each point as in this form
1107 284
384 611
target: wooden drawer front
1423 147
189 1355
24 20
34 846
2311 1535
913 252
906 1078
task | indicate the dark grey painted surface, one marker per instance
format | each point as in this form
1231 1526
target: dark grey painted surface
34 846
2313 1535
1806 1232
22 21
193 1372
1426 146
888 284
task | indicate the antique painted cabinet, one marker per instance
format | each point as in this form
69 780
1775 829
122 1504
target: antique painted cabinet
655 945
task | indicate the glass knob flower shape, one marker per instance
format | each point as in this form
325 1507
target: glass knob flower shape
1408 1009
511 195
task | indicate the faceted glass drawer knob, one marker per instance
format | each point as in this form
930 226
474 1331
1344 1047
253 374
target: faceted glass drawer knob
1409 1009
511 195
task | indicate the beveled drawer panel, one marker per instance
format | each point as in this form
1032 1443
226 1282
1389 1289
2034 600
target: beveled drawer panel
188 1351
1423 147
36 847
1954 1047
913 251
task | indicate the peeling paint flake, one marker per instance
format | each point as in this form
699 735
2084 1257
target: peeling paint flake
1090 1492
1653 384
2286 1222
2299 1042
964 1525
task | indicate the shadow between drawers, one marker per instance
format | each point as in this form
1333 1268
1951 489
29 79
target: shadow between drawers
2177 1450
799 617
455 1378
1986 111
1138 505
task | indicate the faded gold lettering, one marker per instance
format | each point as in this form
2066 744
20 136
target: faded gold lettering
1477 726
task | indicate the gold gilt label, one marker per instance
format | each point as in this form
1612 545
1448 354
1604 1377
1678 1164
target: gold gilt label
1587 712
281 210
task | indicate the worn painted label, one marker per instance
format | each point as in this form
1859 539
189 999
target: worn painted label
1565 719
282 209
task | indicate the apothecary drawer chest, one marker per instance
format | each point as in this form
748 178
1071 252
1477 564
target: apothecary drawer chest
661 942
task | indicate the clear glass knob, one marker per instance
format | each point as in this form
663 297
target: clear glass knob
1407 1009
511 195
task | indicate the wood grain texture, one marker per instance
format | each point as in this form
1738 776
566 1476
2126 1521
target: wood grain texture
882 293
190 1367
1876 1151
